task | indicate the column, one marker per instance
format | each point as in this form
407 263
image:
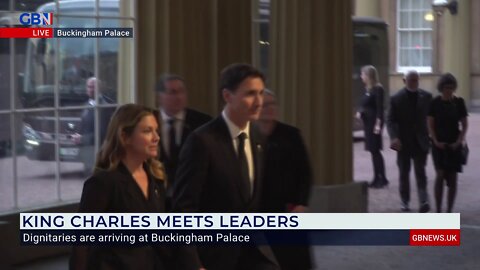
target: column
367 8
195 39
311 64
456 49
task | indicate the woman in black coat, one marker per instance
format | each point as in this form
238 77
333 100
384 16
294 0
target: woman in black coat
447 114
127 179
287 179
372 116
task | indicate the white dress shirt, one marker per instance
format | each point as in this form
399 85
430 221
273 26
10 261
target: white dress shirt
234 132
179 122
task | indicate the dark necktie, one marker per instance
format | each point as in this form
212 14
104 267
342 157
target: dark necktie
173 147
242 159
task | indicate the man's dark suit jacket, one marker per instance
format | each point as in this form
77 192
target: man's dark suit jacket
193 120
208 179
87 127
407 123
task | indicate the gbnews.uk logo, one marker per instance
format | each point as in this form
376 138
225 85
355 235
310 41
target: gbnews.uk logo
36 18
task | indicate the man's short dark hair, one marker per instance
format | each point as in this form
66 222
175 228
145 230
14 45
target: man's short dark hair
233 75
447 79
160 86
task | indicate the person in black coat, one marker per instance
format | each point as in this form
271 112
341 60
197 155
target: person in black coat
85 137
407 127
447 125
220 171
287 178
372 116
177 122
127 179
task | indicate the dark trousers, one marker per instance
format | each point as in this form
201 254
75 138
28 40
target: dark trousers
404 163
378 165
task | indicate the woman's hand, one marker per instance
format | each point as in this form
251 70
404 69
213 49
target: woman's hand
440 145
377 129
455 145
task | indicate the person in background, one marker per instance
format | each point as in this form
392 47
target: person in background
127 179
177 122
287 178
407 127
85 137
371 113
447 125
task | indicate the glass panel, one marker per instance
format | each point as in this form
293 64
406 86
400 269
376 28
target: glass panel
404 39
6 164
416 4
403 57
76 63
109 58
427 39
4 5
427 4
34 5
416 40
4 74
427 57
415 57
404 15
404 4
123 8
77 8
115 57
425 23
37 185
37 85
75 151
105 114
417 19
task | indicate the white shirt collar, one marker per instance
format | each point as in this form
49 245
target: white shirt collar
178 116
233 129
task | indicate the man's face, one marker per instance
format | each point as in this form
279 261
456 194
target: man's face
91 88
269 108
245 103
174 99
411 81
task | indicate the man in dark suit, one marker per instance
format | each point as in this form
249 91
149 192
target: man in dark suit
86 134
407 127
220 170
177 122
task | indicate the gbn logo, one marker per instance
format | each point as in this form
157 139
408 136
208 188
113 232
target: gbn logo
36 18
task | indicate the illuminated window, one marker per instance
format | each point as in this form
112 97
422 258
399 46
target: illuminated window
414 35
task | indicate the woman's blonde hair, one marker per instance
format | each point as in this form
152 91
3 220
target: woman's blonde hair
124 121
372 75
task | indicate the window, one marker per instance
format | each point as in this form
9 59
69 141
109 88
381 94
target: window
414 35
51 125
261 35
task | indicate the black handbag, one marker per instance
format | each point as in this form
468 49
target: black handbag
464 153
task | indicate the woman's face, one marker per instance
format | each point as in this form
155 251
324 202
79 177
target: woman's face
364 77
448 90
144 140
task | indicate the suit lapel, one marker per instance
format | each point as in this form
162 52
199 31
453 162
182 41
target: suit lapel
186 127
257 151
420 101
